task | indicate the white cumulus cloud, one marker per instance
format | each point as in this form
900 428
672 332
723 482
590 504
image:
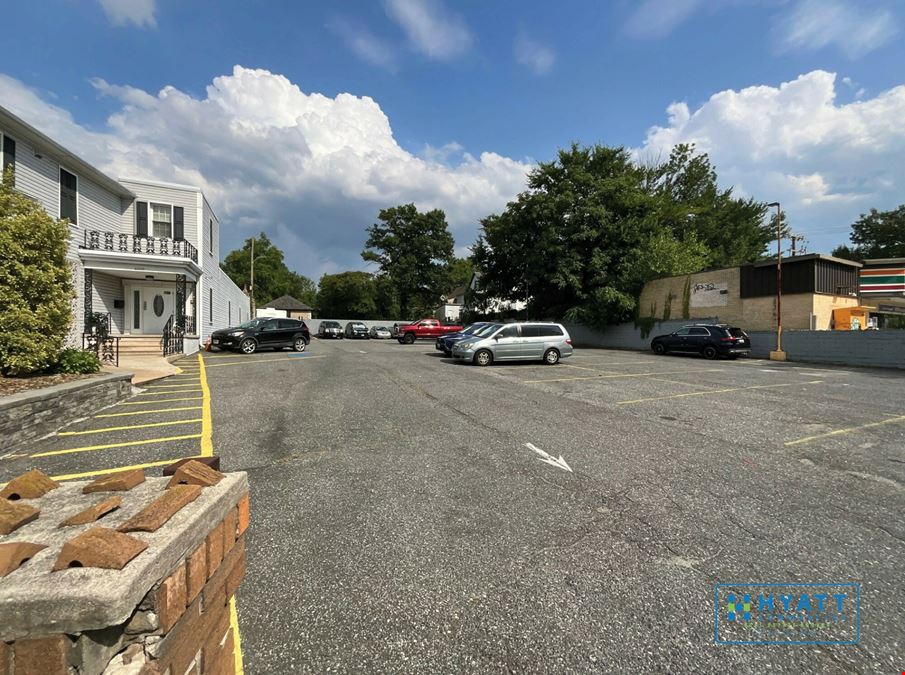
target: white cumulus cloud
309 169
431 28
825 162
137 12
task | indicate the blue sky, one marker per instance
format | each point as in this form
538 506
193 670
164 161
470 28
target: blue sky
338 109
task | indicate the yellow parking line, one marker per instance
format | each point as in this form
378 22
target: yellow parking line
103 472
717 391
173 386
608 377
145 412
178 391
207 447
839 432
248 362
161 400
569 365
131 426
124 444
687 384
237 641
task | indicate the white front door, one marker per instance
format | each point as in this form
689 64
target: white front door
156 305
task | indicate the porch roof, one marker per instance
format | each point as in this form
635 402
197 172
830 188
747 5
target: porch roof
140 265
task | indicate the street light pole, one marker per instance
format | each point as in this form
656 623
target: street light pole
779 354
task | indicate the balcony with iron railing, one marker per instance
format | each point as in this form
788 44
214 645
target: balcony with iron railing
133 243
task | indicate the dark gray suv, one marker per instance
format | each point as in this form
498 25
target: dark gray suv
709 340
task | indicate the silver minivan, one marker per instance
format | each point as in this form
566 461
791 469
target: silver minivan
528 341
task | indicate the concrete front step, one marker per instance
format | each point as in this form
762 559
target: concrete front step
140 345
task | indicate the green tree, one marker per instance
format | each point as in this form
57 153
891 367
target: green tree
272 277
594 226
35 283
876 234
460 271
690 202
347 295
413 251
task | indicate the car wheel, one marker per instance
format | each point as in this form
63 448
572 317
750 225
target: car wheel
300 345
409 338
659 349
551 357
710 352
483 358
248 346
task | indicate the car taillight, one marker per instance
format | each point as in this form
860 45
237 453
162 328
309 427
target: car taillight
569 341
727 339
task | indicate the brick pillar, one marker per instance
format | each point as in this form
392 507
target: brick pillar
125 574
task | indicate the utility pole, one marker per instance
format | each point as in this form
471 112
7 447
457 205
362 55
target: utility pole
795 239
251 286
779 354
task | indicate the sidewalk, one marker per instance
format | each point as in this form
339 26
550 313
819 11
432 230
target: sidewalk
143 368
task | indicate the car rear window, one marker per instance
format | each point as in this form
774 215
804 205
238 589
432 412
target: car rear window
549 331
736 332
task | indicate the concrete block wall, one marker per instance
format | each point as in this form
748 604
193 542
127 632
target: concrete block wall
625 335
868 348
50 408
142 586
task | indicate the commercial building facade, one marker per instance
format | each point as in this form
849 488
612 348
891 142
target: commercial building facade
813 286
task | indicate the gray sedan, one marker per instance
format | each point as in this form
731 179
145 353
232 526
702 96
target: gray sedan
529 341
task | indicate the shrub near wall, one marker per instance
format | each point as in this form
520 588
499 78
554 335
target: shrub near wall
35 283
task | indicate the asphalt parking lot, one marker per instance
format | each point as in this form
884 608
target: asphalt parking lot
402 522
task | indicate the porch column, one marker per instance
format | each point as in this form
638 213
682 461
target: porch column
88 300
180 302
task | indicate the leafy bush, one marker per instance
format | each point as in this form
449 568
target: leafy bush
35 283
77 361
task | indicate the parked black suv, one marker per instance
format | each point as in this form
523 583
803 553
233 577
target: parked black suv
708 340
263 333
357 330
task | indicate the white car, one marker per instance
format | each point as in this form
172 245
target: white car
380 333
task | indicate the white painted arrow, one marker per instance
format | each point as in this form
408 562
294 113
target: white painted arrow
560 463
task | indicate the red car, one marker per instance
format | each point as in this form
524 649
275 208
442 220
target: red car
423 329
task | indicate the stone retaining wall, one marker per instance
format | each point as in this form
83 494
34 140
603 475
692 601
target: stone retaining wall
32 414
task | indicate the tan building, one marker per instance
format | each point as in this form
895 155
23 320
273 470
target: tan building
812 287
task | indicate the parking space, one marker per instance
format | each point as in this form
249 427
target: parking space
164 420
838 418
530 513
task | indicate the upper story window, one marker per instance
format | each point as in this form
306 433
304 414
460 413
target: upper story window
7 152
69 196
162 220
210 235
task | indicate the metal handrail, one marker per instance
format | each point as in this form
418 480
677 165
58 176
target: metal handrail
96 240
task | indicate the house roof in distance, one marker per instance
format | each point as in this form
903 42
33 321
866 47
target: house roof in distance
288 303
456 292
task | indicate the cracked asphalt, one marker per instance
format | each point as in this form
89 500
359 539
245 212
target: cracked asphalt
401 524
